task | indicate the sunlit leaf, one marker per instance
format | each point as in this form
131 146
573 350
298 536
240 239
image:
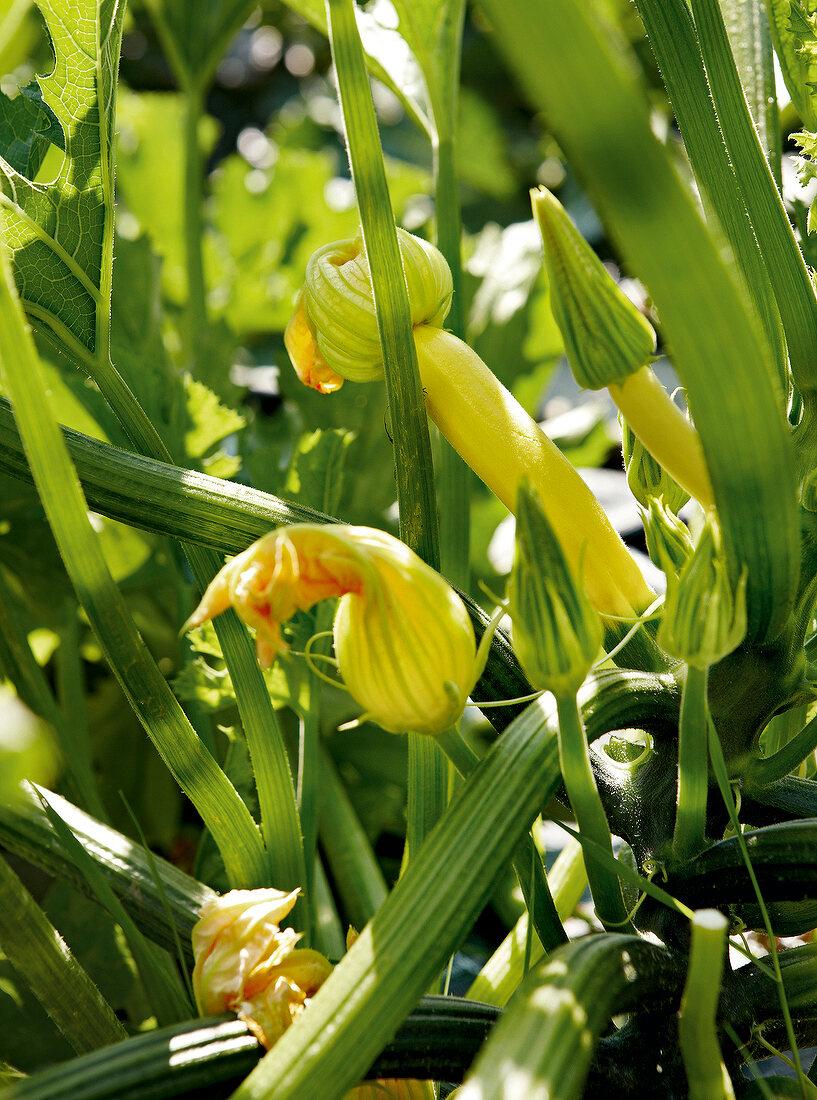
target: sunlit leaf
27 127
59 232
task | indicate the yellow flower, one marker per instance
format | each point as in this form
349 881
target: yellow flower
403 638
247 964
333 336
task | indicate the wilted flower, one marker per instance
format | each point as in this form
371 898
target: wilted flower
403 639
247 964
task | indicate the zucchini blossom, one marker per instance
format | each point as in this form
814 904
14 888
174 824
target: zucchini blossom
403 638
333 336
247 964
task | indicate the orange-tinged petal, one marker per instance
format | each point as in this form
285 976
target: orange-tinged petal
403 638
309 364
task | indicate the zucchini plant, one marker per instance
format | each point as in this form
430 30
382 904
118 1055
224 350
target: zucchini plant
150 276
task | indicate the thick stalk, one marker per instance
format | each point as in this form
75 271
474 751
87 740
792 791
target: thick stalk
427 790
706 1074
527 862
355 871
693 770
412 448
590 816
453 482
503 445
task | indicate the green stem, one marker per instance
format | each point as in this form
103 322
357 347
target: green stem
693 771
454 480
784 262
747 26
706 1075
672 36
590 816
427 790
329 937
355 870
40 956
308 782
527 863
412 449
722 777
196 313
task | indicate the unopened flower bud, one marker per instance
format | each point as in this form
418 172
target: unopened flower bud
403 638
647 479
247 964
333 333
704 613
556 632
669 542
606 337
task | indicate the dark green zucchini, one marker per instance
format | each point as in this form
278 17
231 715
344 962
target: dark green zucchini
208 1058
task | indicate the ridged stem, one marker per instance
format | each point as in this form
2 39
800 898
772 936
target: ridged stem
693 769
706 1075
590 816
527 862
454 478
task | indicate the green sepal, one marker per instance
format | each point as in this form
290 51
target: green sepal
606 338
557 633
704 615
646 477
669 542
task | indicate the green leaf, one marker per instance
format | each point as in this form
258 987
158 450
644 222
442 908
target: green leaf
571 65
28 127
41 957
210 422
60 233
433 30
160 978
316 469
150 177
196 33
